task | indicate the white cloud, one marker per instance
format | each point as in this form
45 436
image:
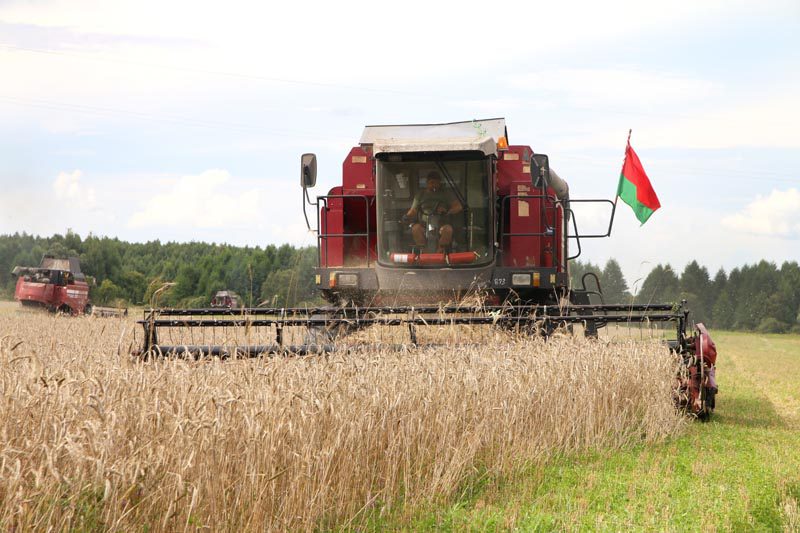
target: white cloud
67 202
119 69
201 201
296 233
143 77
67 186
776 215
424 38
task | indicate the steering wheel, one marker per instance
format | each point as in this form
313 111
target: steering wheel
432 210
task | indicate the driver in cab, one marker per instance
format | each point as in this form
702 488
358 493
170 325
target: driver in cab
433 199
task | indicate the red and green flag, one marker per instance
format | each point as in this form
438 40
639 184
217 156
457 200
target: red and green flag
634 186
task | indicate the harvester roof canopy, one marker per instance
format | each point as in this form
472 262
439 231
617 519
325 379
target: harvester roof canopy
71 264
471 135
222 294
49 263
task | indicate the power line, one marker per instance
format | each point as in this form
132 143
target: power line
427 95
173 119
194 70
249 128
252 128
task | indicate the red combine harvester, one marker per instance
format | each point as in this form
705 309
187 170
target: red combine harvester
226 299
56 284
429 214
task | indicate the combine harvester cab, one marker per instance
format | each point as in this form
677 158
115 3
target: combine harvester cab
56 285
430 213
427 217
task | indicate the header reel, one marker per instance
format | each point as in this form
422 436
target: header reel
264 332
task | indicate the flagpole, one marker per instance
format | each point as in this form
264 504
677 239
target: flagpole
614 206
625 158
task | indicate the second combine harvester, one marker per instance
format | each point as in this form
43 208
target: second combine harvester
428 214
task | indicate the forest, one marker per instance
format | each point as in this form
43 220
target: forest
762 297
129 273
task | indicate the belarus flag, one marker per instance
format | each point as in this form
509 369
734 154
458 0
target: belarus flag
634 187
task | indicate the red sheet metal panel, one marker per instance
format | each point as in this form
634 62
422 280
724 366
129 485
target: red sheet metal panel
527 215
522 214
358 179
331 218
553 245
74 295
358 173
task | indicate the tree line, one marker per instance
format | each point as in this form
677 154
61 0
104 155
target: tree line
170 274
760 297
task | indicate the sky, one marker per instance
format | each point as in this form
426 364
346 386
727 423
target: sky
186 120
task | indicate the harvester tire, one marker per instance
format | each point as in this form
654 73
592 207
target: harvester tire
707 403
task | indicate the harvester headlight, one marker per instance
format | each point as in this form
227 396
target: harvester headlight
520 279
347 280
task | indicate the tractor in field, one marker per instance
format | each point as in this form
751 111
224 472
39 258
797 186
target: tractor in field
56 285
428 217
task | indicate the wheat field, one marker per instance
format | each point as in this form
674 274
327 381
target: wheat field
93 439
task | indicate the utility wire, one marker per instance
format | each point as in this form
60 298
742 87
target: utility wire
173 119
79 108
208 72
427 95
683 170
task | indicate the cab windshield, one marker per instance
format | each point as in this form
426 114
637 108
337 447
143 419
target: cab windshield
434 212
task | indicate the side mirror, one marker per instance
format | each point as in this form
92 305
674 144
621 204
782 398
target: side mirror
308 170
540 169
